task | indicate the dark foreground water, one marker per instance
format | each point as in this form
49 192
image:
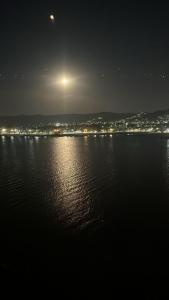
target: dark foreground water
90 205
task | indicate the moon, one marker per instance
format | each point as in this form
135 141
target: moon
65 81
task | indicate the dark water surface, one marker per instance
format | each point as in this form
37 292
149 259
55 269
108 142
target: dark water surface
92 205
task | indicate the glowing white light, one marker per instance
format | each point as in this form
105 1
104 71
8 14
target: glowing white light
65 81
52 17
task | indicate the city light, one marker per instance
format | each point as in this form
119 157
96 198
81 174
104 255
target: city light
135 124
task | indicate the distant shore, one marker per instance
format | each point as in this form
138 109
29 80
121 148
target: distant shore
88 134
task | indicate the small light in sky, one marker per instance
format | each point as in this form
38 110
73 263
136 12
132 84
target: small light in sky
163 76
52 18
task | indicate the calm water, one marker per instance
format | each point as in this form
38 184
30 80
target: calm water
84 204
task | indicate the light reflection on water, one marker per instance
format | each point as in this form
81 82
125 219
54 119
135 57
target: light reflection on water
70 175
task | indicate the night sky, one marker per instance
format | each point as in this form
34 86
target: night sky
116 54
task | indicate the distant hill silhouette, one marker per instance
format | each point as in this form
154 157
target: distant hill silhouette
47 120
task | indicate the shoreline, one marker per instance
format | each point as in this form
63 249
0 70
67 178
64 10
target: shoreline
89 134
